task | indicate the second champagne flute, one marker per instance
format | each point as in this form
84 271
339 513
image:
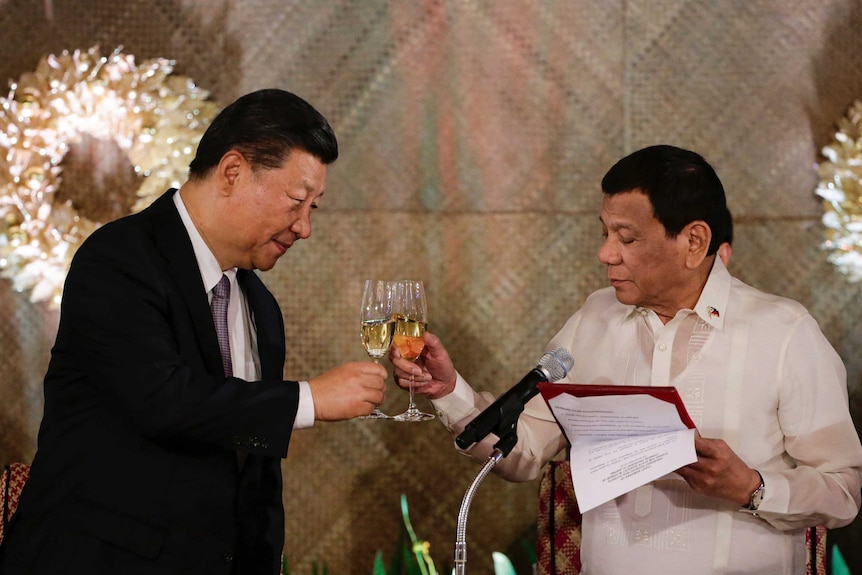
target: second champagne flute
411 318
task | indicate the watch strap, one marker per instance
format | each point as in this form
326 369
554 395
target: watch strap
756 495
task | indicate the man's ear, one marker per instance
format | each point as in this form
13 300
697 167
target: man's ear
698 235
228 171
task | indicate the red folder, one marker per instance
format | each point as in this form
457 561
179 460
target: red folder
664 393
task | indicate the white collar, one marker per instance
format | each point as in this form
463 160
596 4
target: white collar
712 304
210 269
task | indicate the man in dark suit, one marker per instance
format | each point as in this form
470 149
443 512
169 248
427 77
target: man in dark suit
160 446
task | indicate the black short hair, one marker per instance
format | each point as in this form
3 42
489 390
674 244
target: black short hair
682 187
264 126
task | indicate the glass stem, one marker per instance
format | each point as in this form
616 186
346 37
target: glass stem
377 361
412 405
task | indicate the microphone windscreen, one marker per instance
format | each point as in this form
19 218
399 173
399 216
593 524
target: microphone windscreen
557 363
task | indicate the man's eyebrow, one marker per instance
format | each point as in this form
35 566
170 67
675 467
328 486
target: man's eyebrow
618 225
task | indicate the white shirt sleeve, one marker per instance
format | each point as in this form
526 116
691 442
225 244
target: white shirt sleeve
457 405
305 410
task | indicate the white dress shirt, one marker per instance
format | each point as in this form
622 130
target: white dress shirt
754 370
243 339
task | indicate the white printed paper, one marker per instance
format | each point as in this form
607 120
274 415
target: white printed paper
620 442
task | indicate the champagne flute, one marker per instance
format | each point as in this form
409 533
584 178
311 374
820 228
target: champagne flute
410 321
376 326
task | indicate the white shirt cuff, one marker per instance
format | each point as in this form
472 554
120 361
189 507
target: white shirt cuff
456 405
305 411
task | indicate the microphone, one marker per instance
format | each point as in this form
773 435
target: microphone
501 416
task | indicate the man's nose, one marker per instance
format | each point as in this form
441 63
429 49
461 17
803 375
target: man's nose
302 225
608 254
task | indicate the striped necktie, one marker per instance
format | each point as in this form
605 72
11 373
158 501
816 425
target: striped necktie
218 305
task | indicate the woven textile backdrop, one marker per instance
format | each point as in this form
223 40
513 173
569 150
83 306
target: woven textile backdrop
473 136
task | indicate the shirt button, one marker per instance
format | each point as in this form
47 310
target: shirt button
662 347
228 556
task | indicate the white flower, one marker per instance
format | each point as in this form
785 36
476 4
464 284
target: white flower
47 110
840 187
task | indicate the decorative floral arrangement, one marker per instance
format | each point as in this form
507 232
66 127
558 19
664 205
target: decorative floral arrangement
156 118
841 189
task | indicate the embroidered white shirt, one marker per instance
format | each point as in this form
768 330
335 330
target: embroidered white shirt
754 370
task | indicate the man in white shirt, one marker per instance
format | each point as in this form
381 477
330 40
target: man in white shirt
778 450
166 409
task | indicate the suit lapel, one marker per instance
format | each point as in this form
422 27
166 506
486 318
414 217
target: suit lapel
172 241
268 323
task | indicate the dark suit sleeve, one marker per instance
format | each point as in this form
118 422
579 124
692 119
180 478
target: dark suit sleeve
130 328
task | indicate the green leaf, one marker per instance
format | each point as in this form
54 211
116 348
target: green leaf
420 549
379 568
502 565
318 568
529 550
405 515
413 567
839 566
398 564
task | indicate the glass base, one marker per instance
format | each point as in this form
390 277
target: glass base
376 414
414 415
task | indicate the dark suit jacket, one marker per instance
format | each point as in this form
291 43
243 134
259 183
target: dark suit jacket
136 468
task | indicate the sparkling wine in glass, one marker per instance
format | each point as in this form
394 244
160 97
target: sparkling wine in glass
411 313
376 325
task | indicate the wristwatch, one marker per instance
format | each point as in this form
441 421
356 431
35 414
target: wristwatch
756 496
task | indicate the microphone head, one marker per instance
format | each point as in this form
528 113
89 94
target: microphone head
556 364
